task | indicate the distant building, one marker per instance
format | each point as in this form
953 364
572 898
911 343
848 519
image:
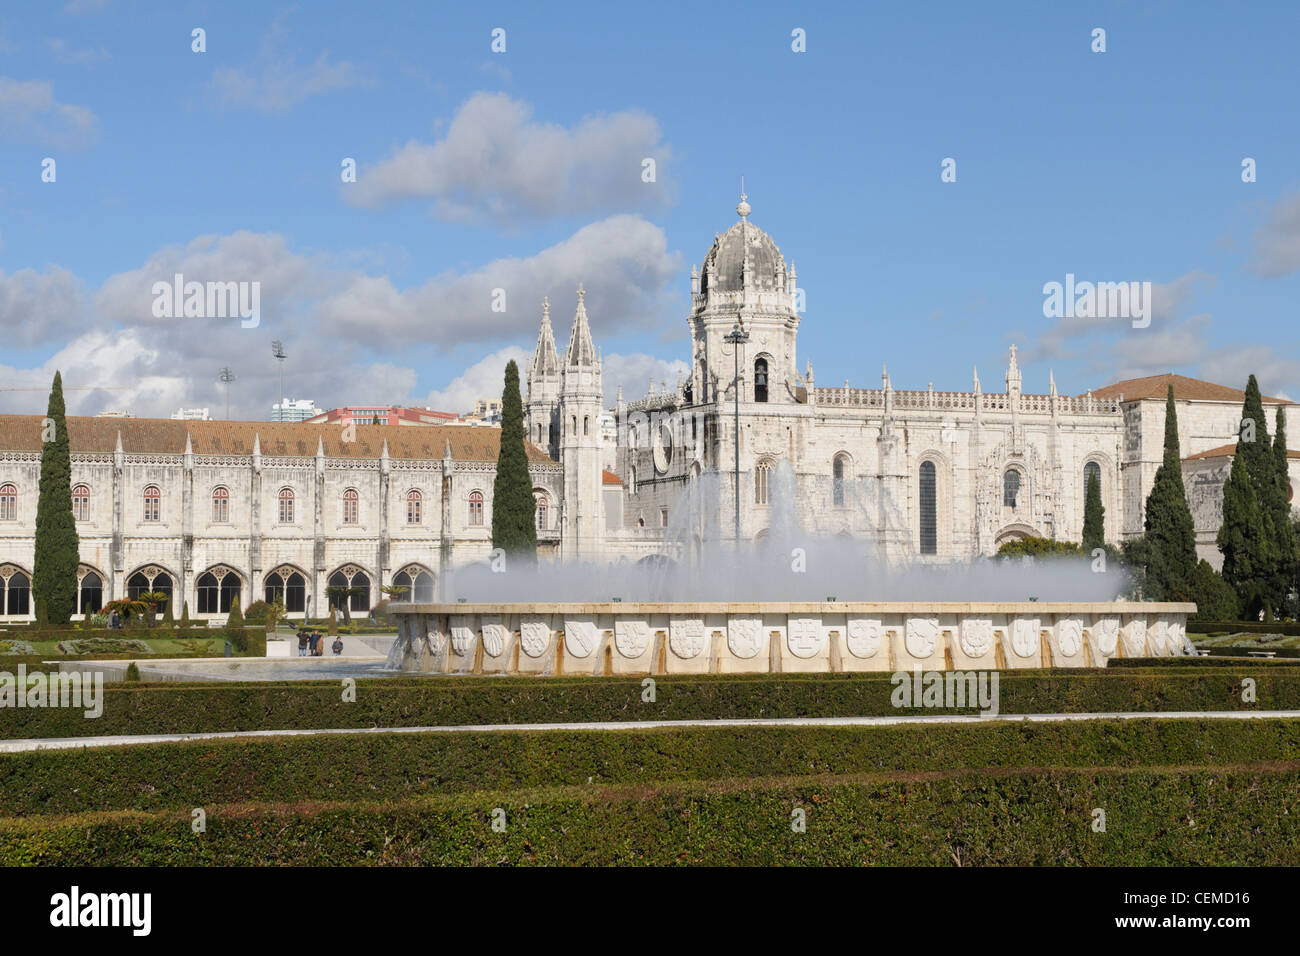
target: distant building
486 411
191 415
294 410
114 413
386 414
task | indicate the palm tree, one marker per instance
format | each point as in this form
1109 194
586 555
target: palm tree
125 607
152 601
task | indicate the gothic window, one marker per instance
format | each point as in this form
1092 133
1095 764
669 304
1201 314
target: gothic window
288 587
476 509
286 506
928 510
838 469
217 590
15 591
418 583
760 380
1091 470
543 507
81 503
350 500
663 517
220 505
1010 488
358 584
413 502
90 592
586 424
762 478
8 503
152 503
148 579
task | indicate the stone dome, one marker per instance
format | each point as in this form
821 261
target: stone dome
725 266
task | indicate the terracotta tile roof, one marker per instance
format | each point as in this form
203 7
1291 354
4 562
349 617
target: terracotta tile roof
277 439
1185 389
609 478
1227 451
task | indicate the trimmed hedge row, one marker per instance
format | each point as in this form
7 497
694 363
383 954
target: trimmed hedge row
1153 817
1227 658
432 701
1289 628
401 766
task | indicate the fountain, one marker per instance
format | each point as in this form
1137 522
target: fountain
692 609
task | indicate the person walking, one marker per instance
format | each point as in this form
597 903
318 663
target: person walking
302 643
337 646
318 648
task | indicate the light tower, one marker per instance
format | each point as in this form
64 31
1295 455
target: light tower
225 377
277 349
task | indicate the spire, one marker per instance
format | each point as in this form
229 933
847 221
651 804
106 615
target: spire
976 370
1013 374
546 360
742 207
581 351
1051 383
118 449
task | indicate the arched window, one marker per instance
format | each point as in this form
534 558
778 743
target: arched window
81 503
357 583
838 469
148 579
286 506
90 593
1091 470
760 380
152 503
1010 488
762 479
287 586
217 590
15 590
543 509
220 505
418 583
413 501
8 503
476 509
586 424
350 500
928 510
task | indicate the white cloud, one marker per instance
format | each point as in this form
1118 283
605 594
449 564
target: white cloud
38 308
484 379
497 163
61 52
1277 242
30 113
636 371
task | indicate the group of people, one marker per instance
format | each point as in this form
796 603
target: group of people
312 644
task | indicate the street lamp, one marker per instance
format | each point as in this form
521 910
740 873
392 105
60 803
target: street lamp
226 376
277 349
736 338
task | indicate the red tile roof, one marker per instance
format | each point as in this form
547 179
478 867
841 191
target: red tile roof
1227 451
1185 389
609 478
277 439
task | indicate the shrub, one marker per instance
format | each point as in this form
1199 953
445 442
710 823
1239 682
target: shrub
132 672
16 647
236 619
1038 547
256 613
1216 600
104 645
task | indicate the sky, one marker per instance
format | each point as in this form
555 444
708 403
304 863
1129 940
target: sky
523 170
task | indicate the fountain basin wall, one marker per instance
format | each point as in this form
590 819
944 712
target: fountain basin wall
763 637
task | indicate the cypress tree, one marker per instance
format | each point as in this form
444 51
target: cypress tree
514 526
54 568
1170 533
236 618
1094 515
1239 537
1288 555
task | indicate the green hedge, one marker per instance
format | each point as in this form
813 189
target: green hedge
411 702
1032 817
1227 657
1289 629
399 766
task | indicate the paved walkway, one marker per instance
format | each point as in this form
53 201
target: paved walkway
66 743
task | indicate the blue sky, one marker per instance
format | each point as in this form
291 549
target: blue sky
522 170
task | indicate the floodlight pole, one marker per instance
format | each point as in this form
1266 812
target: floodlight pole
737 337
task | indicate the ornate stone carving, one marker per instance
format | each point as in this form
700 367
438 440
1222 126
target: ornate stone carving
1069 635
1107 632
1024 636
462 633
686 636
804 636
1156 634
921 635
1135 637
744 636
580 637
534 635
976 636
864 634
631 637
437 641
1177 637
494 635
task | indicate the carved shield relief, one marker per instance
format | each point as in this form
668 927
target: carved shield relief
534 635
686 636
922 635
744 636
631 637
863 636
804 636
